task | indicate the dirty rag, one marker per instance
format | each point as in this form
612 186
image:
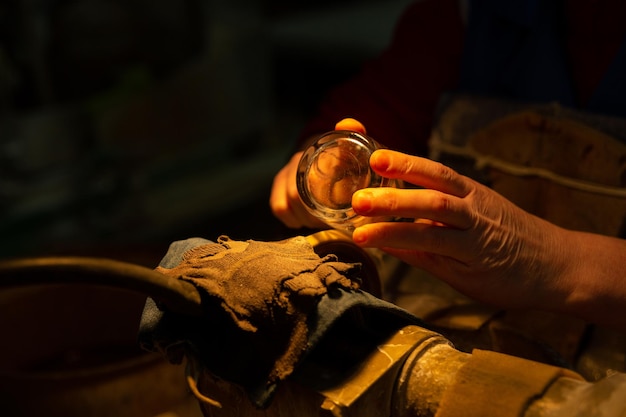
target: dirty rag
266 306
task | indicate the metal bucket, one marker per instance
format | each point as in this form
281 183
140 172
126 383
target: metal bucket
69 328
71 350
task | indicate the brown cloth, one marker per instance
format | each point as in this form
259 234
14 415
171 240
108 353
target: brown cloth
257 282
259 297
268 307
560 164
580 170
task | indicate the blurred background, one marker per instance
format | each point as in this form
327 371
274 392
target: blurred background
127 124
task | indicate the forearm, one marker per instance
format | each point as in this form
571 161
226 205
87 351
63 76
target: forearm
595 273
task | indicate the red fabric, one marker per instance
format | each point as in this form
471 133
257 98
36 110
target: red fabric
595 31
395 96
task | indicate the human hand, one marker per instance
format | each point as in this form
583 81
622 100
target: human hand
466 234
285 201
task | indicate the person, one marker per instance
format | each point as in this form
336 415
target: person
468 234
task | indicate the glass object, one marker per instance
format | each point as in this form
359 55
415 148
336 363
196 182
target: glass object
331 170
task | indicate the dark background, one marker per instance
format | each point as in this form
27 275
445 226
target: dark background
127 124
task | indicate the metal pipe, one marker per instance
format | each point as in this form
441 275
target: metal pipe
426 375
428 385
179 296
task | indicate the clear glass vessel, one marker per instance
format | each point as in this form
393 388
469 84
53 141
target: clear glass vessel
331 169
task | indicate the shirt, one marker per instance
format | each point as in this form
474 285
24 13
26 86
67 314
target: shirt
514 50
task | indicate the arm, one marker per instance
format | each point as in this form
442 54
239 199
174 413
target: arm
395 95
596 271
491 250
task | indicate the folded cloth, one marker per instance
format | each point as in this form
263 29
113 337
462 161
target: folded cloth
266 305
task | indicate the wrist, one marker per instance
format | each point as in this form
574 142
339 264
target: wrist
556 289
592 278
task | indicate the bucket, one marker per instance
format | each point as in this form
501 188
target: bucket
69 329
71 350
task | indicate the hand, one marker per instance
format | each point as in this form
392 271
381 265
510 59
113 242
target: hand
466 234
284 198
285 201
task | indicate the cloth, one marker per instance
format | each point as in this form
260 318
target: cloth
558 163
524 50
572 52
395 94
267 305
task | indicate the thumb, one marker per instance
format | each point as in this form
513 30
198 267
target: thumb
350 124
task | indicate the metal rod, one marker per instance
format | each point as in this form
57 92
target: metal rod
178 296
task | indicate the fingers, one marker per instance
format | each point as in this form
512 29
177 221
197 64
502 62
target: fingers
284 195
420 171
443 209
285 201
350 124
284 198
415 237
279 201
428 204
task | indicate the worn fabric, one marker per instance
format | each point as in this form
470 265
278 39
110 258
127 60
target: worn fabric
256 282
267 305
560 164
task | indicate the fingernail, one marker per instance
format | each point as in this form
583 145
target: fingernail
380 161
359 237
362 201
350 124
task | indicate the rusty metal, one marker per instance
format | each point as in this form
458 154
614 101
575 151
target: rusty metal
408 374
